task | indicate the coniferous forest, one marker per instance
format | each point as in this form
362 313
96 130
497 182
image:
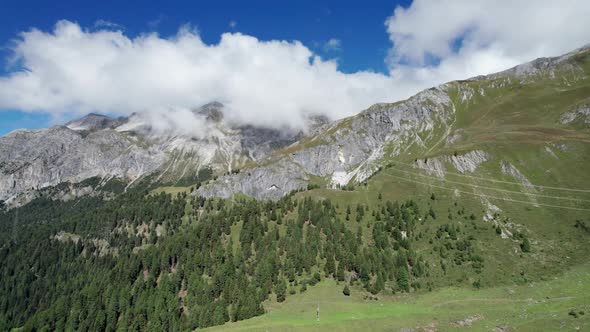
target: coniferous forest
152 262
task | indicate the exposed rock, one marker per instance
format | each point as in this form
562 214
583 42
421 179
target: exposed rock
343 151
508 168
347 149
451 139
468 321
469 161
32 159
431 166
550 152
548 67
127 148
353 141
66 236
581 112
95 121
492 211
212 111
268 183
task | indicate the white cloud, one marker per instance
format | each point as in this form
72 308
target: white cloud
333 44
72 71
107 24
233 24
272 83
465 38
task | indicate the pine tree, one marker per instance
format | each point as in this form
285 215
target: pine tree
403 279
340 272
525 245
281 290
346 290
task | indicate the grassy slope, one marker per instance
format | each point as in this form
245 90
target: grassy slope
513 123
539 306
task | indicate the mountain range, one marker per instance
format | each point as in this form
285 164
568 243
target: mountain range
472 126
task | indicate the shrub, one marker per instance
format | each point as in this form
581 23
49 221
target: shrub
346 290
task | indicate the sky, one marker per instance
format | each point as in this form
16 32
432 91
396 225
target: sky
271 63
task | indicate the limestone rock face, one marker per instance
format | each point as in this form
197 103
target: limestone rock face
344 150
268 163
128 148
353 149
267 183
32 159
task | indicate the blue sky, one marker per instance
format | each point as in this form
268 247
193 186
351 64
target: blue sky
359 27
375 54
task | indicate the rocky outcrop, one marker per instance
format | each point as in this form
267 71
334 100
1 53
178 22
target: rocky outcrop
509 169
468 162
33 159
268 183
95 121
548 67
433 166
463 163
354 144
581 112
128 148
349 149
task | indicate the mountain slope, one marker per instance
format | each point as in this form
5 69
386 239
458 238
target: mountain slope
458 125
129 149
458 207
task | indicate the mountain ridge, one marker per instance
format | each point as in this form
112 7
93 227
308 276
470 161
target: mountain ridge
341 152
424 123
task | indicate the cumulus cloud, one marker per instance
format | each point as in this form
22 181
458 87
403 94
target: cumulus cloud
439 41
71 70
271 83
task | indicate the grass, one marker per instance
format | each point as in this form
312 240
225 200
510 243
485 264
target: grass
513 123
542 306
171 190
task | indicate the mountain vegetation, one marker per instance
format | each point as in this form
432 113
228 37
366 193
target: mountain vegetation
472 186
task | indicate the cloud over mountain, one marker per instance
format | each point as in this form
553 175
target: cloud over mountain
73 70
438 41
269 83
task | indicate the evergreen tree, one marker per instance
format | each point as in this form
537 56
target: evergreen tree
346 290
281 290
525 246
403 279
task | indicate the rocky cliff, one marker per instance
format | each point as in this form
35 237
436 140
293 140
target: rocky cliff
427 128
128 148
451 126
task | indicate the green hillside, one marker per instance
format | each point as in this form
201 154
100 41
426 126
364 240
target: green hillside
542 306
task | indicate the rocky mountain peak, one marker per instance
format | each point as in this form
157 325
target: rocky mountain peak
94 121
212 111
